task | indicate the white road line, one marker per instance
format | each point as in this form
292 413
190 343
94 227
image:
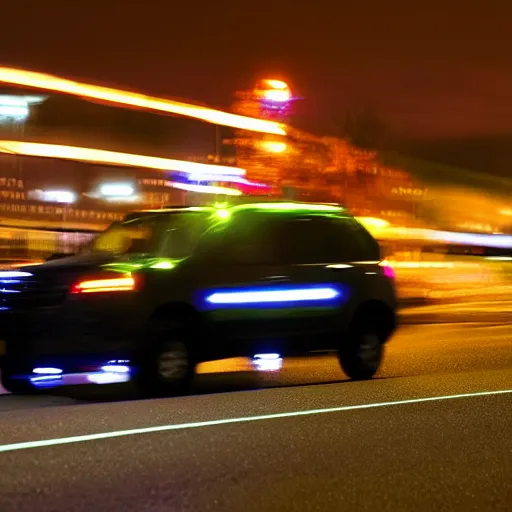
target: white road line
184 426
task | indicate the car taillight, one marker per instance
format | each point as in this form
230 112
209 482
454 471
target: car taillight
388 270
110 284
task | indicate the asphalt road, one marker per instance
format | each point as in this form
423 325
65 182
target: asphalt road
299 440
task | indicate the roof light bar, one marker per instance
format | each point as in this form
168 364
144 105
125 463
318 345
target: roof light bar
289 206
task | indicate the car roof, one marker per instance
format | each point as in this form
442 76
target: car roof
225 209
166 211
289 207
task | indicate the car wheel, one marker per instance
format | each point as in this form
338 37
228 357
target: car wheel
362 350
167 367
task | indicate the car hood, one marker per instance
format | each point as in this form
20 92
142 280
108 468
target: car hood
88 263
81 261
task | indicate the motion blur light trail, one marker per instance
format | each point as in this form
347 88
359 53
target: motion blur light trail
200 424
275 295
450 237
62 85
101 156
207 189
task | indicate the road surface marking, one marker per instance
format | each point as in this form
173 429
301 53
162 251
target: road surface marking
211 423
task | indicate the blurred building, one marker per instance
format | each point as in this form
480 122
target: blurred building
156 147
79 156
315 168
458 199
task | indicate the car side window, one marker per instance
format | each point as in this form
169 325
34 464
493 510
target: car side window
354 243
307 240
176 243
180 237
245 240
251 241
317 239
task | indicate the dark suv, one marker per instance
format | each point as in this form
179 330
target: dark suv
163 290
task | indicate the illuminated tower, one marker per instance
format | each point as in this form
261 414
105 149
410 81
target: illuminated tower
269 99
264 156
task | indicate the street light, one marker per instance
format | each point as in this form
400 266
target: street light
275 98
275 91
277 84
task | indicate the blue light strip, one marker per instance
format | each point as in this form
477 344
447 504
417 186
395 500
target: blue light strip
46 380
199 178
260 296
13 273
273 296
110 372
115 368
47 371
267 362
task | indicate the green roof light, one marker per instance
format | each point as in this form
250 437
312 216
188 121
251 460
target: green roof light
223 214
297 207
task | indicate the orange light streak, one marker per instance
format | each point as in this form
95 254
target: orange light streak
100 156
132 99
120 284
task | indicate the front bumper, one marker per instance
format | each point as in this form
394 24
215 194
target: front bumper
65 370
75 345
70 329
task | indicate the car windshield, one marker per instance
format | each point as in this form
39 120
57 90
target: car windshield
166 235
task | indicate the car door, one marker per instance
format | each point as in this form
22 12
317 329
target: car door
238 273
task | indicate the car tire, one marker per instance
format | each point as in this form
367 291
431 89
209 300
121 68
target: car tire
362 349
167 366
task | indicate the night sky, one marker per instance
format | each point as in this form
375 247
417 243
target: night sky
438 69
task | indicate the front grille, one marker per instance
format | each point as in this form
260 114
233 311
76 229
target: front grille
22 293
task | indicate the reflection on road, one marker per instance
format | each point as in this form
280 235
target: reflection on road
415 350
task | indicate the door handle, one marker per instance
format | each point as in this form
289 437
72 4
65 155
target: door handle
275 279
